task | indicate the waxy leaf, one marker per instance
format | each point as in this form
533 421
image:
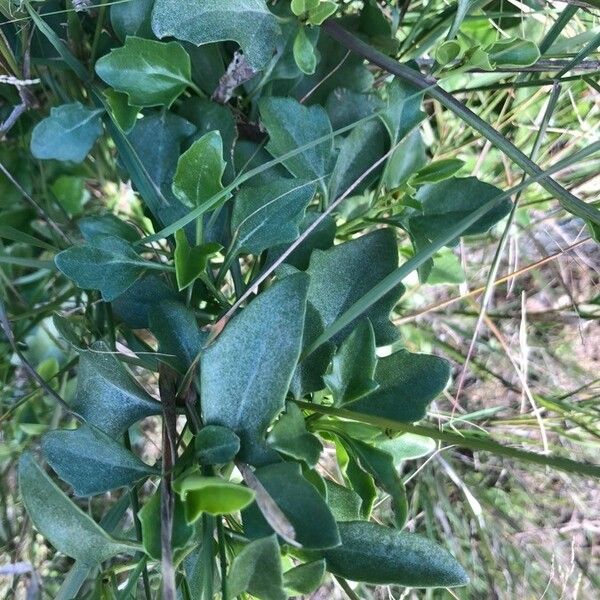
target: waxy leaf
68 134
246 372
216 445
191 261
343 274
248 22
124 114
407 384
106 225
343 502
107 396
150 518
513 52
290 437
304 53
408 446
376 554
199 170
269 215
300 502
257 570
65 525
290 126
353 366
151 73
92 462
108 264
211 495
131 18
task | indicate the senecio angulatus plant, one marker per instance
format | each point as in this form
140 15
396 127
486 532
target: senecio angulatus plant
242 297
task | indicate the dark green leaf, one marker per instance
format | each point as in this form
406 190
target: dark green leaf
407 384
305 578
353 366
131 18
291 125
290 437
343 502
403 112
269 215
257 570
300 502
151 73
343 274
65 526
106 225
248 22
215 445
177 332
68 134
246 372
107 396
108 264
92 462
376 554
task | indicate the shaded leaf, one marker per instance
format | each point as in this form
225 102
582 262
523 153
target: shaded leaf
65 525
68 134
408 446
92 462
123 113
106 225
269 215
215 445
343 502
305 578
300 502
257 570
107 396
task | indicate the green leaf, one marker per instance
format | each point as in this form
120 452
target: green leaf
211 495
246 372
108 264
305 578
151 73
446 269
407 384
304 53
437 171
176 329
343 274
65 526
300 502
191 261
107 396
447 52
247 22
150 518
68 134
123 113
322 11
199 170
353 366
408 446
156 142
376 554
215 445
269 215
257 570
92 462
290 126
290 437
345 107
403 112
380 465
343 502
513 52
299 7
71 193
365 145
106 225
131 18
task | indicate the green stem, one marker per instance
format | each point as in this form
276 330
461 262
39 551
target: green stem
464 440
429 85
